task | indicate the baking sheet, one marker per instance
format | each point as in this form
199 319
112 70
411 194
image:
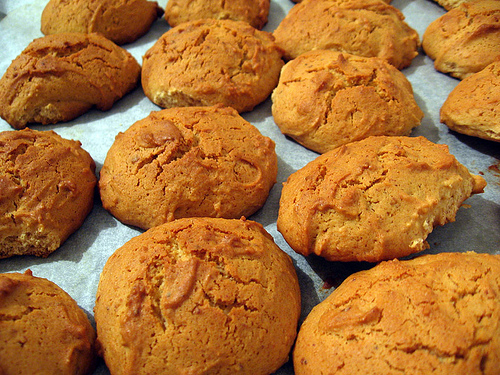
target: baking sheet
76 266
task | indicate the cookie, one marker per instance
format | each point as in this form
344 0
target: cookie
122 21
369 28
374 199
185 162
46 191
254 12
59 77
43 329
465 39
206 62
472 106
435 314
198 296
327 98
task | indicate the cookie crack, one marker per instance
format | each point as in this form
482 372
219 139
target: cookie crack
21 315
164 155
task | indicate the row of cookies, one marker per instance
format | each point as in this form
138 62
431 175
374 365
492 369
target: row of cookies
324 208
248 75
197 141
232 291
229 168
346 206
75 66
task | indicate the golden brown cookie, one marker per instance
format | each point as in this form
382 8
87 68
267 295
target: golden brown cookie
374 199
254 12
122 21
466 39
472 107
206 62
198 296
59 77
46 191
370 28
43 331
435 314
185 162
327 98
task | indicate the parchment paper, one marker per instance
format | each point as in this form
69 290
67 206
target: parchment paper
76 266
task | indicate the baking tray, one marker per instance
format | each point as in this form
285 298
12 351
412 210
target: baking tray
76 266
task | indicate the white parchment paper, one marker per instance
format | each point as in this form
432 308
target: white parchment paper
76 266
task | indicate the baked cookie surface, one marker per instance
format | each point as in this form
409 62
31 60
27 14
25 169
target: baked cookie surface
370 28
46 191
435 314
122 21
185 162
465 39
59 77
254 12
373 199
44 331
450 4
327 98
200 296
472 106
206 62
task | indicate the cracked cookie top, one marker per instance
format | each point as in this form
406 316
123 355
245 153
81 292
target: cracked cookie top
200 296
370 28
435 314
122 21
465 39
326 98
46 191
206 62
374 199
185 162
254 12
44 331
59 77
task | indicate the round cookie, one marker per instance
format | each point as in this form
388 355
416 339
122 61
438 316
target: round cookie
59 77
472 106
185 162
44 331
466 39
122 21
374 199
198 296
327 98
435 314
254 12
206 62
370 28
46 191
